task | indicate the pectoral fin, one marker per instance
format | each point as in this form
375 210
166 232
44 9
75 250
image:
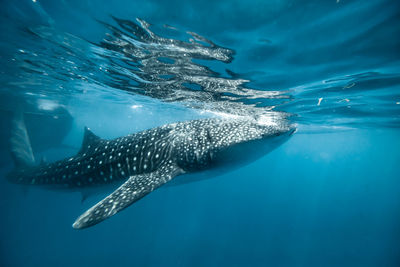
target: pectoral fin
132 190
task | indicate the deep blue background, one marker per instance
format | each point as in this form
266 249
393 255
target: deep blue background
329 198
320 200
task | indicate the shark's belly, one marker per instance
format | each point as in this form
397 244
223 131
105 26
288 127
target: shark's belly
227 160
230 159
197 176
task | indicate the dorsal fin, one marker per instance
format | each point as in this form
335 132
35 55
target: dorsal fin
89 141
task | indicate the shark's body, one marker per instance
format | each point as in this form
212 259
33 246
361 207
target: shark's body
149 159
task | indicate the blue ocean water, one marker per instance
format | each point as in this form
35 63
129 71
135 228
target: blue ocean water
329 196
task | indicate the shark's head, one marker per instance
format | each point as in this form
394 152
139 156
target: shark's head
247 140
234 142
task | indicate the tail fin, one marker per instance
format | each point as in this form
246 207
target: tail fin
20 144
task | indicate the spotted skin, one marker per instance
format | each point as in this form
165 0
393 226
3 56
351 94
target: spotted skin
149 159
102 161
132 190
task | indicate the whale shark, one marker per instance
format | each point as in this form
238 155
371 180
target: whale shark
146 160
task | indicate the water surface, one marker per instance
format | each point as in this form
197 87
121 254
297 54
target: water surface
327 197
